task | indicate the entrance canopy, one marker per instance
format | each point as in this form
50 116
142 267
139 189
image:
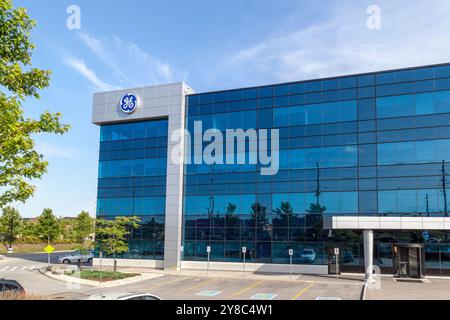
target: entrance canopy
369 224
386 223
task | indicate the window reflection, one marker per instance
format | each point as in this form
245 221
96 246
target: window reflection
336 158
132 179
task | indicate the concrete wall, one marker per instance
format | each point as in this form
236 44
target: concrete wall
255 267
151 264
155 102
219 266
386 223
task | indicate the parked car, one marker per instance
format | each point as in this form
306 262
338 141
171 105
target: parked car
308 255
347 256
75 257
11 286
124 296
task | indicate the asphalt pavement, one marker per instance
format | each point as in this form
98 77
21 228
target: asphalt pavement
189 285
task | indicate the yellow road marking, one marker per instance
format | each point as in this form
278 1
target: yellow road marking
204 283
304 291
246 289
164 284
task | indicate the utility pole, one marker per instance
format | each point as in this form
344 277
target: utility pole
212 204
444 189
318 186
427 199
48 256
11 233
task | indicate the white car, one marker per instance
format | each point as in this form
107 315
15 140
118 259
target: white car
75 257
308 255
124 296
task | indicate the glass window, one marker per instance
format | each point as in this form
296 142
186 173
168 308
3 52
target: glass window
442 71
422 202
414 152
137 130
266 92
282 90
326 157
366 109
416 104
315 114
367 80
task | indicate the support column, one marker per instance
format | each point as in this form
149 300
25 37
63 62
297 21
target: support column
368 254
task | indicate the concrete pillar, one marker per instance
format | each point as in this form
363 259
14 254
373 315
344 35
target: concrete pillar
368 254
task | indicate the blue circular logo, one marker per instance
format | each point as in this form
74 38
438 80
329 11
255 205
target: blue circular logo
129 103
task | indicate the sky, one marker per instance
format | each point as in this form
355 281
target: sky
211 45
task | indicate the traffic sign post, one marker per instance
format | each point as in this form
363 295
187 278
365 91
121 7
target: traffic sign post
337 253
181 256
208 250
49 249
100 256
244 252
291 254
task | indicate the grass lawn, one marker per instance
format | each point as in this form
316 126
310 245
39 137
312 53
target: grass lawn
103 276
38 248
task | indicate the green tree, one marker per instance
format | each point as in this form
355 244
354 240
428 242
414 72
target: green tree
231 218
10 226
112 235
285 213
19 161
67 226
82 229
29 232
48 226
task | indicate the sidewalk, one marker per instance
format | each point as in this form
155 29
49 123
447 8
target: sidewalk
430 289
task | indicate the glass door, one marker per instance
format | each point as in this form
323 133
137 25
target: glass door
414 263
408 261
404 263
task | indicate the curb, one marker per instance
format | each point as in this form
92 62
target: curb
96 284
364 292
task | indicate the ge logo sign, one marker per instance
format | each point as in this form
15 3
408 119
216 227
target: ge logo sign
129 103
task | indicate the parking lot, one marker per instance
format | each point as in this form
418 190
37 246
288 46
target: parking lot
171 287
189 285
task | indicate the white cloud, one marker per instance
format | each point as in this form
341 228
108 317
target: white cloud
130 65
79 66
413 33
50 150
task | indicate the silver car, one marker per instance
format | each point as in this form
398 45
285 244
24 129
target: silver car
75 257
124 296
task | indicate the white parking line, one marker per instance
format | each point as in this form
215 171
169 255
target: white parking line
208 293
264 296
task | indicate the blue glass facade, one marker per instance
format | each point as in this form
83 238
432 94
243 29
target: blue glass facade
132 182
371 144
